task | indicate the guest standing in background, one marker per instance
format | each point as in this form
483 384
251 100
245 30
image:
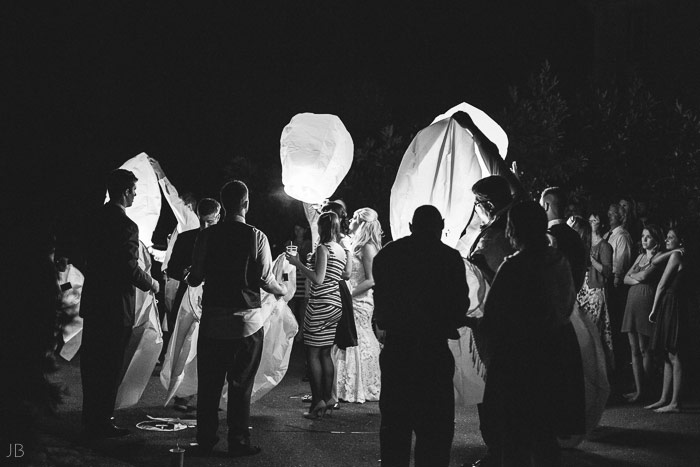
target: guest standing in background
670 313
642 278
621 243
358 374
562 237
628 210
592 298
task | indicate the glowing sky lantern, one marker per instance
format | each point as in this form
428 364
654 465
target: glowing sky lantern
316 153
439 168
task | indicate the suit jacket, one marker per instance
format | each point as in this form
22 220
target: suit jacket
571 246
181 257
113 271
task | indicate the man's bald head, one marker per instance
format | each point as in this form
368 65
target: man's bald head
427 220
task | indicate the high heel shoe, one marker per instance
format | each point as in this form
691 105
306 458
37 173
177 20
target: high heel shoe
316 412
332 405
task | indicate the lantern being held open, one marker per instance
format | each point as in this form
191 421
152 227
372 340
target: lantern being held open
316 153
440 167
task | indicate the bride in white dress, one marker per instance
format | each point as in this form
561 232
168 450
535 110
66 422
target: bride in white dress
357 368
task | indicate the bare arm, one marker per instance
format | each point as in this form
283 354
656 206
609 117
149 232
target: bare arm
672 268
663 257
490 152
641 276
604 266
347 272
629 280
319 273
268 280
368 254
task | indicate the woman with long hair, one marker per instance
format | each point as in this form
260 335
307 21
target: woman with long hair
358 374
670 313
323 309
592 297
642 279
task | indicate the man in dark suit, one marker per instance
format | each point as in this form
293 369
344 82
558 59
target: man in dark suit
570 400
108 302
209 213
563 237
421 299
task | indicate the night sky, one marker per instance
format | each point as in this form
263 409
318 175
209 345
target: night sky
93 84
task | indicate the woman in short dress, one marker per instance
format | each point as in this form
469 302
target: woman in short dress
358 374
323 309
642 279
670 312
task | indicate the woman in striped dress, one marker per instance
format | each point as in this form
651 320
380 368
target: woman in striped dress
323 309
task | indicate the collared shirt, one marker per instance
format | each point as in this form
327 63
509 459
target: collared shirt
621 243
230 322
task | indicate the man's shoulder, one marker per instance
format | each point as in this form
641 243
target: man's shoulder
562 229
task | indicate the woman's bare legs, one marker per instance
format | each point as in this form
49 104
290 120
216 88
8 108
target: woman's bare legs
313 358
637 368
641 364
675 404
328 371
666 391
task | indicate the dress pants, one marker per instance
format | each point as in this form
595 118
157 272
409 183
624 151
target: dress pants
101 365
235 361
417 396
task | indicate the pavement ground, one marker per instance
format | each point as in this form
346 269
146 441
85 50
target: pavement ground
628 435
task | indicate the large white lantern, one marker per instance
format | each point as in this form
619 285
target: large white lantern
439 168
316 153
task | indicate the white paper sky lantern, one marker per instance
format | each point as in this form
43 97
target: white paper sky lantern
316 153
439 168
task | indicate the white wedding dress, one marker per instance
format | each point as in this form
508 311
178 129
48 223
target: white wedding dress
357 368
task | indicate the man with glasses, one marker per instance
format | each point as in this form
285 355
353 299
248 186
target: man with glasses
491 247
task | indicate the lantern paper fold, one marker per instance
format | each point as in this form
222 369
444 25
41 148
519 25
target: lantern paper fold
316 152
439 168
70 307
279 328
179 373
144 345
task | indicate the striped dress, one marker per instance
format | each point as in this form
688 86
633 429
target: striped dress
324 308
